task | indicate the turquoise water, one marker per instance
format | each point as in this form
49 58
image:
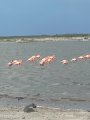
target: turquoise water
53 85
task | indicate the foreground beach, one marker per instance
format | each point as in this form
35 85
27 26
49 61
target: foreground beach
42 113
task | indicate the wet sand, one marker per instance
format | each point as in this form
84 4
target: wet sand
42 113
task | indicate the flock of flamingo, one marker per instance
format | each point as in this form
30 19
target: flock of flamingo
48 59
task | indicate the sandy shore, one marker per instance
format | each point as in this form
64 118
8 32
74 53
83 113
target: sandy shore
23 39
40 113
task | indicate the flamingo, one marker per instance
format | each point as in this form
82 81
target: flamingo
87 56
81 57
33 58
50 58
64 61
73 59
47 59
17 62
43 61
10 63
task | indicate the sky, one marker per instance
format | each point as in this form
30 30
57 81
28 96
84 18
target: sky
37 17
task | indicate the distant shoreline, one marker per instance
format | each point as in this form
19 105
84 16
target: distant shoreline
39 38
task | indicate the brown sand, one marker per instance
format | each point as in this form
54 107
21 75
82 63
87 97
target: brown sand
8 113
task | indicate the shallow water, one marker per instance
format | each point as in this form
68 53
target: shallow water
54 85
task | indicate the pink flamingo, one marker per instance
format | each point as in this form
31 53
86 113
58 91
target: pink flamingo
10 63
81 57
64 61
17 62
43 61
33 58
47 59
87 56
50 58
73 59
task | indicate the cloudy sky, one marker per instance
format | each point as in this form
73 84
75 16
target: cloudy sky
36 17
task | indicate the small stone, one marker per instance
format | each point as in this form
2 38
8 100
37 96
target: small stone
23 117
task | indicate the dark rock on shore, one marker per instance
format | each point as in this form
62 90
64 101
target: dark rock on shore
30 108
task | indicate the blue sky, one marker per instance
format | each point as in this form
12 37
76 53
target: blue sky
36 17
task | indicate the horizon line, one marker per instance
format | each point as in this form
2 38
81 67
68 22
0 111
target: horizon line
52 35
